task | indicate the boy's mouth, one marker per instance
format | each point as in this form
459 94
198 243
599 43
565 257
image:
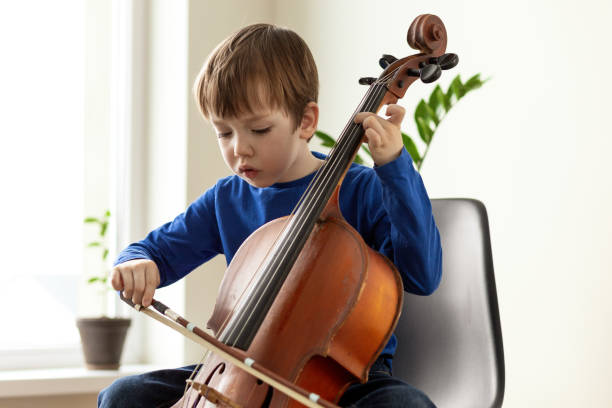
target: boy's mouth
248 172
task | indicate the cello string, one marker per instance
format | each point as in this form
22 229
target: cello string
193 374
199 365
343 149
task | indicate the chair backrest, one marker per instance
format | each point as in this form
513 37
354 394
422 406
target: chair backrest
450 343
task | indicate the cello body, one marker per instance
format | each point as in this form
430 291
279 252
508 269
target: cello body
357 296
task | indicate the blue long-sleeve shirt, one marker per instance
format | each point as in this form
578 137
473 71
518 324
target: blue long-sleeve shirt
388 205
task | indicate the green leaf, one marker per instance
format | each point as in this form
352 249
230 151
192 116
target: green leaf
98 279
326 140
91 219
107 213
105 254
438 101
411 148
94 244
427 115
103 228
365 147
473 83
455 88
424 130
424 111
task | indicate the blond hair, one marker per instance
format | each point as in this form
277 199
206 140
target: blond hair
259 63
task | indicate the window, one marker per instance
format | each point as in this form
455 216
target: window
42 78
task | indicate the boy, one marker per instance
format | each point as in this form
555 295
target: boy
259 90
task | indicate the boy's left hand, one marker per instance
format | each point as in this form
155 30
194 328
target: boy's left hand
383 136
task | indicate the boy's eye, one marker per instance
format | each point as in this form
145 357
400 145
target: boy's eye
261 131
221 135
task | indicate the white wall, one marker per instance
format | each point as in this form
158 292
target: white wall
531 145
209 24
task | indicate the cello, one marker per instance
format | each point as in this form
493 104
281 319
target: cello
305 304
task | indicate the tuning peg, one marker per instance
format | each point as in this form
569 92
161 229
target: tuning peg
413 72
427 72
445 61
430 73
386 60
367 81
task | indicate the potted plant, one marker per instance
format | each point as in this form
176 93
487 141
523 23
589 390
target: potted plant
427 116
102 337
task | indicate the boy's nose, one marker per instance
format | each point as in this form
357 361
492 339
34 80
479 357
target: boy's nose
242 147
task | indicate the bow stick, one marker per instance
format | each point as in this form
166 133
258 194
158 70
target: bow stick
175 321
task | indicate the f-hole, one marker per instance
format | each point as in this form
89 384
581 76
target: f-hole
268 399
221 368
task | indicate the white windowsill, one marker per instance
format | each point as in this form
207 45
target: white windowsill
60 381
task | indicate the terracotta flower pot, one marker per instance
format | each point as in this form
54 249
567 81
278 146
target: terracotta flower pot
102 339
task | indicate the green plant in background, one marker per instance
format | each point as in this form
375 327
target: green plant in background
428 115
100 242
103 336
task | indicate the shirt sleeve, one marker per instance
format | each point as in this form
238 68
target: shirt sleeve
403 228
180 246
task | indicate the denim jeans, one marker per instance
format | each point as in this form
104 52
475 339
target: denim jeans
161 389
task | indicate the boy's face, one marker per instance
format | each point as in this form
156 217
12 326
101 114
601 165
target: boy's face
263 147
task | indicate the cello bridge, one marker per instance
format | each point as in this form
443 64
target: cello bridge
212 395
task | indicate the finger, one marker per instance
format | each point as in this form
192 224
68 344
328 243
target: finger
116 281
139 284
128 282
375 123
396 114
152 281
374 138
361 116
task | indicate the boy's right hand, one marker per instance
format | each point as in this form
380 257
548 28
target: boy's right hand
138 280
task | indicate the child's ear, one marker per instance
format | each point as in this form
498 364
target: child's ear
310 119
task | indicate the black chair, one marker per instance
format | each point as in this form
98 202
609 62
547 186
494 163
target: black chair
450 343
